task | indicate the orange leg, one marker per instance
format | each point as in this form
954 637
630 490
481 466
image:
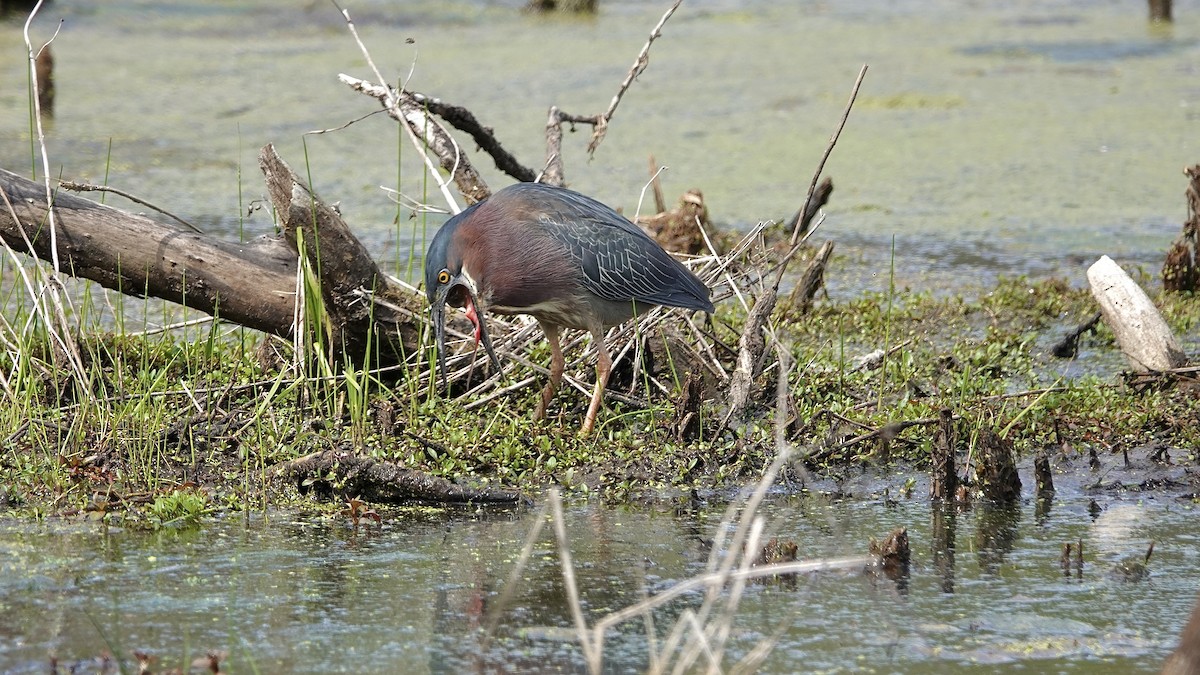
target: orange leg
557 365
603 368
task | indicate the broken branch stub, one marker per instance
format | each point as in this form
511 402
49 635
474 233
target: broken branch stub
996 469
345 269
1181 269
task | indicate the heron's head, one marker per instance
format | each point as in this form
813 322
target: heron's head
448 282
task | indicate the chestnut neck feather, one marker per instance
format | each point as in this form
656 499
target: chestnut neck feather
514 262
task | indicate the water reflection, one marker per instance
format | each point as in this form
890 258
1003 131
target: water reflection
996 532
942 535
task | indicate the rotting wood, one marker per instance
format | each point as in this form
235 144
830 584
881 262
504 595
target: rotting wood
252 284
1043 477
687 412
341 474
945 476
660 202
346 270
1143 335
751 347
996 471
44 64
812 280
802 219
891 557
1160 10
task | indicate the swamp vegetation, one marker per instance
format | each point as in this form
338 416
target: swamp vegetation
179 423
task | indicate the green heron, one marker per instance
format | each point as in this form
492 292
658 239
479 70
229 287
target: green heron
561 257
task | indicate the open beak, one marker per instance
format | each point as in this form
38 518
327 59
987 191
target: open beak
438 315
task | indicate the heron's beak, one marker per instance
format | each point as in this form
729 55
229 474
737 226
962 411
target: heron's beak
438 315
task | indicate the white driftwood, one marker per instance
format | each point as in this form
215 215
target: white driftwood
1143 335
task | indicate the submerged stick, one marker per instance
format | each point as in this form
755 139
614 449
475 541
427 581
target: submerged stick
1068 347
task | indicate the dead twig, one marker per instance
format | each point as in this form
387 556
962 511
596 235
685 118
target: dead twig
828 150
75 186
553 173
464 120
751 345
1068 347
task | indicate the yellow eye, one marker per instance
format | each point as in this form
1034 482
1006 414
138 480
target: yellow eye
444 277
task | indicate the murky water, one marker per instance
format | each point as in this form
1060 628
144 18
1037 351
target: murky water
286 593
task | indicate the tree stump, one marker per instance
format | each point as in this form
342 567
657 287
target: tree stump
945 476
996 472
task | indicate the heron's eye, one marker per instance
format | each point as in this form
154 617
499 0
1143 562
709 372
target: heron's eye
444 277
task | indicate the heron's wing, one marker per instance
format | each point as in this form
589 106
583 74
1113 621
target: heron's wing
620 262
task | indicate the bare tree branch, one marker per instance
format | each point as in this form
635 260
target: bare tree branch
553 173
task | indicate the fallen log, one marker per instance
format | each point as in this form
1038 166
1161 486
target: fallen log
252 283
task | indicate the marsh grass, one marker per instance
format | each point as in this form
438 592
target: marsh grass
165 400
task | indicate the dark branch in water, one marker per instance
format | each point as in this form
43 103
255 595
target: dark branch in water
464 120
344 474
1068 347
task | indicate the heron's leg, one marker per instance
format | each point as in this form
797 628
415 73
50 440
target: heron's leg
603 368
557 365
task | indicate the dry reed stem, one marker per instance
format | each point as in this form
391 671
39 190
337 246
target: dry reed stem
56 323
76 186
510 585
590 651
